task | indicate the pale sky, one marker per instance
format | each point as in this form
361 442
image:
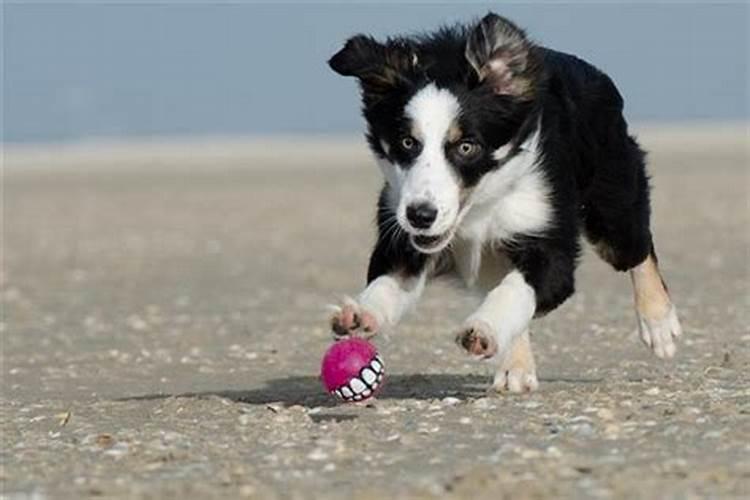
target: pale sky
101 70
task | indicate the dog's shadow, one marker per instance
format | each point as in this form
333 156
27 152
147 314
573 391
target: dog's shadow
307 391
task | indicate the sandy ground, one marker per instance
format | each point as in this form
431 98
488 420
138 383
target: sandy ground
164 320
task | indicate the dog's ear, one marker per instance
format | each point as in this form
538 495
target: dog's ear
502 57
379 67
360 55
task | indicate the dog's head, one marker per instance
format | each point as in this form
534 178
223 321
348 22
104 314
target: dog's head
438 110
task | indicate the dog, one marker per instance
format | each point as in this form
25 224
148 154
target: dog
498 154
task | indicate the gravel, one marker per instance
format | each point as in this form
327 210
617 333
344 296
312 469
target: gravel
163 328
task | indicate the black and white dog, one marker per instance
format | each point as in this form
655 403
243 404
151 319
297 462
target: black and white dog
497 153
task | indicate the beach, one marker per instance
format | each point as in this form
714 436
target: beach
164 316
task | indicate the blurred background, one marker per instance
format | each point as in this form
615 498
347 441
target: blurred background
92 71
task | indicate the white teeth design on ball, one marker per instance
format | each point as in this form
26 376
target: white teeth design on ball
368 376
376 365
357 385
365 385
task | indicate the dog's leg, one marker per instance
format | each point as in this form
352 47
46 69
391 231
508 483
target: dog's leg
379 307
657 317
502 317
517 371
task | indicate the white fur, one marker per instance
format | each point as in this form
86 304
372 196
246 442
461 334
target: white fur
507 309
431 178
480 266
467 255
512 200
389 297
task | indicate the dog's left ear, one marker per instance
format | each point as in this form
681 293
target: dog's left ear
502 57
380 67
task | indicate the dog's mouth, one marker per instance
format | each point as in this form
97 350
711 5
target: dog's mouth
430 244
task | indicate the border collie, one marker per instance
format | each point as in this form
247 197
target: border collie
497 154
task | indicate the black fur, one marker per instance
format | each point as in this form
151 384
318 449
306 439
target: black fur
597 171
392 252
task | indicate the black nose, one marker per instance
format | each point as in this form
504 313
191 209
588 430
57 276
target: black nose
421 215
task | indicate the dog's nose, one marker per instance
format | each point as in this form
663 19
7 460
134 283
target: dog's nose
421 215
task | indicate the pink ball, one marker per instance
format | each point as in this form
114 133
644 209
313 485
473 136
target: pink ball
352 369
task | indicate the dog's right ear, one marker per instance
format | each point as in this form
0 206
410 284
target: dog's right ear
379 67
360 55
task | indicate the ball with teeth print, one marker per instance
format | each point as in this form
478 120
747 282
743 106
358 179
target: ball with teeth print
352 370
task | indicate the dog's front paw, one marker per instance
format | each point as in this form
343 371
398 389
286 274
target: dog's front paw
517 372
477 338
351 319
660 333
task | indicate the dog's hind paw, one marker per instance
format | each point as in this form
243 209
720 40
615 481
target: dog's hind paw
659 334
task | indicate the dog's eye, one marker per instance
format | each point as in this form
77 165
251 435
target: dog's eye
408 143
467 149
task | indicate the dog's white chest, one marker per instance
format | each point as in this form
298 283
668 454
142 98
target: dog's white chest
480 265
512 201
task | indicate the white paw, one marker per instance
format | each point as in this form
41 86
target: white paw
660 334
515 380
351 319
517 372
